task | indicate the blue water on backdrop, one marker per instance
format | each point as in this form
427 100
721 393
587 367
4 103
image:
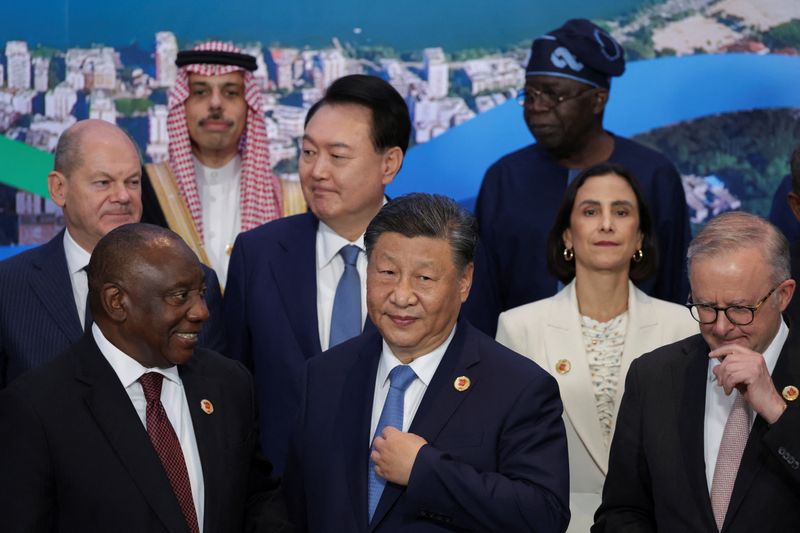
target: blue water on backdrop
407 25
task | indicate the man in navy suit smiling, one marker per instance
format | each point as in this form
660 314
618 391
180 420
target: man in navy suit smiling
426 424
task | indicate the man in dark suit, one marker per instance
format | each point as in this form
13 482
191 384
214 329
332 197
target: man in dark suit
283 276
96 180
467 434
133 429
708 432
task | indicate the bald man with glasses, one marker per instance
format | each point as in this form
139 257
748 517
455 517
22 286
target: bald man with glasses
708 432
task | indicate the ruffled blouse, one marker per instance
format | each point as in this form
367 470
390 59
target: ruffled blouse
604 343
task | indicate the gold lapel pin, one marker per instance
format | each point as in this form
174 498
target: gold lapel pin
563 366
790 393
228 249
207 406
462 383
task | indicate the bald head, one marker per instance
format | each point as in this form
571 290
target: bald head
126 250
96 180
146 290
69 148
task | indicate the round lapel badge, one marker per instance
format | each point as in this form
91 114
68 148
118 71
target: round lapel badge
790 393
462 383
563 366
207 406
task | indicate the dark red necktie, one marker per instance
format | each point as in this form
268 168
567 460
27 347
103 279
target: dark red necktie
166 443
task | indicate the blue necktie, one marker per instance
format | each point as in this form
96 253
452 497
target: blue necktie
346 316
400 378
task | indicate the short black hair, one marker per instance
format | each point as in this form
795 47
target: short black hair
391 123
116 254
427 215
565 270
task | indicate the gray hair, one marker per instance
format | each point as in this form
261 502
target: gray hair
67 154
427 215
737 230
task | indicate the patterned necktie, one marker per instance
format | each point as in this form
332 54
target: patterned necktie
734 439
166 443
346 316
400 378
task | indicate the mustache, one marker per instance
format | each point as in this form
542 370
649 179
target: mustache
216 117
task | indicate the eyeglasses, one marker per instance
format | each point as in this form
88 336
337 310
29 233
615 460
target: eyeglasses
546 98
738 315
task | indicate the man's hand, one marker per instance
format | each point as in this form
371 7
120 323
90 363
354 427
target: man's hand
746 370
395 453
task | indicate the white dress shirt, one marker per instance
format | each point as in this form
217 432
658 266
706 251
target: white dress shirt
219 197
173 398
77 260
330 267
424 367
718 405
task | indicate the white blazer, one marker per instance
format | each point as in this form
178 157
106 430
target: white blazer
548 331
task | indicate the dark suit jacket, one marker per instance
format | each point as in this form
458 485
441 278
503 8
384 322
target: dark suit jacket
271 317
38 317
656 476
496 458
75 456
792 312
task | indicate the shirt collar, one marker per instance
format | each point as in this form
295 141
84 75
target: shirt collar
77 257
424 366
331 242
128 370
770 355
224 174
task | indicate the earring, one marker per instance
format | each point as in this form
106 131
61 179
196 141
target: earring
568 254
638 255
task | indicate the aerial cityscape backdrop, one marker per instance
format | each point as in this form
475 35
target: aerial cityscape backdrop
450 61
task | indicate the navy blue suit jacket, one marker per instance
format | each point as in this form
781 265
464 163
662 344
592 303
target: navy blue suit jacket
38 317
271 319
496 458
271 316
75 456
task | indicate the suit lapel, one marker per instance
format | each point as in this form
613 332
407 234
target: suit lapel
296 278
354 420
689 384
208 435
752 460
564 340
51 283
642 325
111 408
441 399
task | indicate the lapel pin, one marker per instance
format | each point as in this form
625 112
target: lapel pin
563 366
228 249
790 393
207 406
462 383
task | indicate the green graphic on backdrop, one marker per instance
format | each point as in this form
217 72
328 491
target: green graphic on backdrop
24 167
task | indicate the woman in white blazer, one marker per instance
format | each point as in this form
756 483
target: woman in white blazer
588 333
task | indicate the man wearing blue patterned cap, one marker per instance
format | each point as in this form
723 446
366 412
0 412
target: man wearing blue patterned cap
566 91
